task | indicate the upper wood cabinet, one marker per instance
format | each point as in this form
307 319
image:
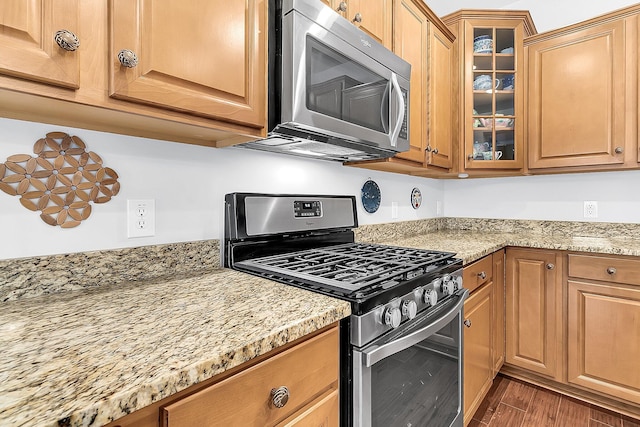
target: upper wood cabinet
204 59
200 77
374 17
534 311
489 82
28 48
420 38
582 97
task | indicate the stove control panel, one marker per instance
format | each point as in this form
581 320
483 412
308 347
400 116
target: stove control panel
400 310
307 208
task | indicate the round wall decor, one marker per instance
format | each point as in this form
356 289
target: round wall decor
416 198
370 196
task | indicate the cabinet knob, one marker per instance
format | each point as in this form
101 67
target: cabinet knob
619 150
67 40
357 18
470 157
127 58
342 7
467 323
611 270
428 149
279 396
550 266
435 151
482 275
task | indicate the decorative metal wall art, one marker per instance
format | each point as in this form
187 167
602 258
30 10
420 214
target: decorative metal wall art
61 181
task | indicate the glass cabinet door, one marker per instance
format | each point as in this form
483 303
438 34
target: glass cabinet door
493 81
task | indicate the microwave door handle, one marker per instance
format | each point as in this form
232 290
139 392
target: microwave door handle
377 353
396 130
385 108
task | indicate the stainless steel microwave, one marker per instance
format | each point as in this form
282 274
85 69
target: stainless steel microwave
334 92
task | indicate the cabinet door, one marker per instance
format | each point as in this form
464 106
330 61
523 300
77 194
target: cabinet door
411 43
27 46
498 310
201 57
576 99
478 364
604 338
373 17
534 311
440 94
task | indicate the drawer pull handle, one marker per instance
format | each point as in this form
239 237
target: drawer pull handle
127 58
611 270
342 7
482 275
357 18
467 323
67 40
279 396
550 266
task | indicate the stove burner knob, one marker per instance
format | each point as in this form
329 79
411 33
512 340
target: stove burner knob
430 297
449 287
409 309
392 317
459 282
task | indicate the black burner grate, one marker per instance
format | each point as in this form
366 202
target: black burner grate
352 268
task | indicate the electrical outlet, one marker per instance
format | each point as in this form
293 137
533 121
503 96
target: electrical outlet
141 218
394 210
590 209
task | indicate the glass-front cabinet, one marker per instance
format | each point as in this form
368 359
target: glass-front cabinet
491 94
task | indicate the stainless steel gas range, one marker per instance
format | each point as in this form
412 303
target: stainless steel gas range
401 361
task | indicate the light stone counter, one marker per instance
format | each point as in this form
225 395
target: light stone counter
473 245
86 357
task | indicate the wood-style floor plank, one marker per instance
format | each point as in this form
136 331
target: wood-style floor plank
506 415
488 406
518 394
543 410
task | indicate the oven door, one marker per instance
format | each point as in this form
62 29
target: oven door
412 376
331 86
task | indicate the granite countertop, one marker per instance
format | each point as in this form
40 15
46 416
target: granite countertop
473 245
91 354
87 357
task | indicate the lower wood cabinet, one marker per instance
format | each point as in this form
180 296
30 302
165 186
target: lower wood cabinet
573 324
603 325
309 371
534 311
483 329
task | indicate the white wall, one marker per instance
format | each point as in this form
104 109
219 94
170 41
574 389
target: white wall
546 14
188 184
548 197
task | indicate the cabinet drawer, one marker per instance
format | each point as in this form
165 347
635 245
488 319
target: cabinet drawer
476 274
244 399
607 269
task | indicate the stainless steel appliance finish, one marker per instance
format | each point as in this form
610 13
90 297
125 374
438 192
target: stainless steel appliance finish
334 92
402 346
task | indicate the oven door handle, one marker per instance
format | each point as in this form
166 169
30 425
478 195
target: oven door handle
378 352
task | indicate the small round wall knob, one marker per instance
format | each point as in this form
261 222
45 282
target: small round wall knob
67 40
342 7
357 18
279 396
127 58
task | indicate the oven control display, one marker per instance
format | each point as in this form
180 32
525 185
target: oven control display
306 208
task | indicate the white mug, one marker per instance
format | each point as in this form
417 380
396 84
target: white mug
498 155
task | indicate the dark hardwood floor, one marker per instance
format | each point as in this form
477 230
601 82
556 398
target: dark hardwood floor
512 403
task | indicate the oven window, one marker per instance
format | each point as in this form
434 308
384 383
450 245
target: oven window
418 386
342 88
